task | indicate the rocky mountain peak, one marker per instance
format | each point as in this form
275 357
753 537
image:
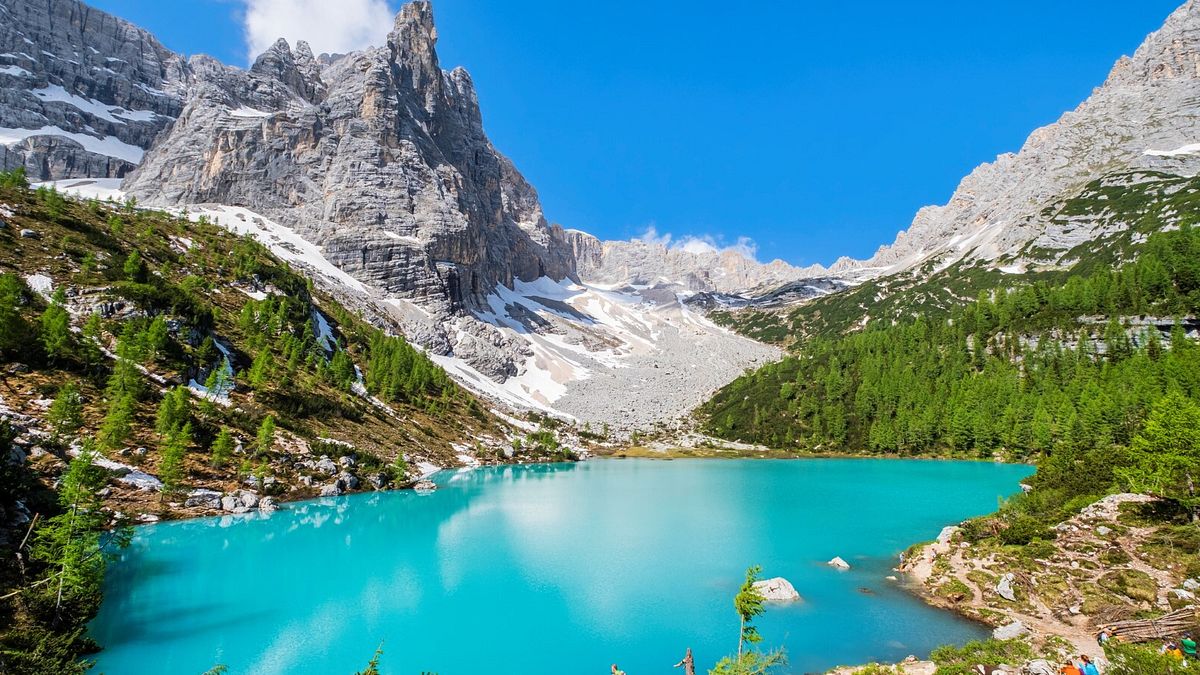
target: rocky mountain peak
1143 117
296 69
412 44
1171 52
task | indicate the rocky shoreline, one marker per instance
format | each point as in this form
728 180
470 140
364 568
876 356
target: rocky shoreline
1103 565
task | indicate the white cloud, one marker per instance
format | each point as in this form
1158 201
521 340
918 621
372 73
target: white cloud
699 244
329 26
651 236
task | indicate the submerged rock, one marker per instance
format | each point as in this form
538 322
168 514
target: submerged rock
425 486
777 590
839 563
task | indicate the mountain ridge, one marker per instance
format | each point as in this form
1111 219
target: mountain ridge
993 216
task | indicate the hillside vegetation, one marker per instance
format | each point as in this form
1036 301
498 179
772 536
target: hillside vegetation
1019 371
145 356
1120 209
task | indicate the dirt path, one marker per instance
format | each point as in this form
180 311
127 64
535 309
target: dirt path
1074 576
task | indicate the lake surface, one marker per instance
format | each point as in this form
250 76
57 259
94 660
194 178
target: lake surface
548 570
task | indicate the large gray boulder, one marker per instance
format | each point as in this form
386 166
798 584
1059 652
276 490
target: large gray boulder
1010 631
1004 588
777 589
209 499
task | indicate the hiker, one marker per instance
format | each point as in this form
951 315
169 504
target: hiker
616 670
1088 668
1172 650
1069 668
1103 637
1189 646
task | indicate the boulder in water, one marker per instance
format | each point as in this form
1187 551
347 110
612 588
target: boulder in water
839 563
777 590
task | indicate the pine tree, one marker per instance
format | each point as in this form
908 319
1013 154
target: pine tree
173 412
1168 449
265 440
155 339
13 330
218 383
260 369
56 328
222 448
749 604
135 267
117 426
65 415
72 544
170 468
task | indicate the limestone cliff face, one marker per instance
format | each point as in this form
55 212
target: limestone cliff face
1143 117
82 93
377 156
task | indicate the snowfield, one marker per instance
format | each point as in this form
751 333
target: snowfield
109 146
630 357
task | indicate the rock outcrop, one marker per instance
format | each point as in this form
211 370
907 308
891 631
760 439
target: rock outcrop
1143 117
82 93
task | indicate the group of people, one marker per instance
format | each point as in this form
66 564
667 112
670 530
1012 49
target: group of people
1184 650
1085 666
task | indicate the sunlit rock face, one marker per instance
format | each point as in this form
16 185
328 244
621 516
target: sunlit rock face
377 156
1145 116
82 93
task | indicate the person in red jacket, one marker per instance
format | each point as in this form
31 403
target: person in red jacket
1069 668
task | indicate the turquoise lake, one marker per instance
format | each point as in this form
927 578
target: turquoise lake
548 570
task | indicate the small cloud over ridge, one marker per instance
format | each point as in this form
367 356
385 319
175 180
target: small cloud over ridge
328 27
699 244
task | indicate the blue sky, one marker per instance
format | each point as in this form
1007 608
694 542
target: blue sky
815 129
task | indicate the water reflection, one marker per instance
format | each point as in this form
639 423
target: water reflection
605 558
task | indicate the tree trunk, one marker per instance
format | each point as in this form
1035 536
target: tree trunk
688 663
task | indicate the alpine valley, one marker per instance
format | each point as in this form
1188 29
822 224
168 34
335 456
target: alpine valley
223 290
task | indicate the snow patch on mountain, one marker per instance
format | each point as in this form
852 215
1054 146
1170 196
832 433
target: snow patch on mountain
109 146
1190 149
283 241
103 189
